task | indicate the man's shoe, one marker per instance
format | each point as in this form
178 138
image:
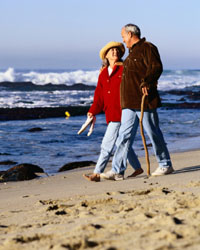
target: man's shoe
136 172
162 171
110 175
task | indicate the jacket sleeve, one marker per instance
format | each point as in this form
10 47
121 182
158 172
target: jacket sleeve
98 103
154 66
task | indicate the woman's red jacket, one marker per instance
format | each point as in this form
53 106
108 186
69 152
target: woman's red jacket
107 94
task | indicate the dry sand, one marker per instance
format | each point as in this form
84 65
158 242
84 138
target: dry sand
68 212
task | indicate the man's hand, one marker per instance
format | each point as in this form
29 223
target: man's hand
145 90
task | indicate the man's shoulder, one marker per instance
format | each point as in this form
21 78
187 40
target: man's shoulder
149 45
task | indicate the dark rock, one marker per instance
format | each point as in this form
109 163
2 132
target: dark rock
177 221
8 162
21 172
36 129
40 113
76 164
166 191
97 226
195 96
54 207
4 154
184 105
187 93
62 212
29 86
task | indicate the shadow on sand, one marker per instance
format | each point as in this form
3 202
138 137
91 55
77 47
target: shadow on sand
188 169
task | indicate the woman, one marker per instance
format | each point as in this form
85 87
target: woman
107 99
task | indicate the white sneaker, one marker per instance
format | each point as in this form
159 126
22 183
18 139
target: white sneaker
110 175
162 171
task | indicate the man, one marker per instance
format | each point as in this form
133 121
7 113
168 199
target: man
142 69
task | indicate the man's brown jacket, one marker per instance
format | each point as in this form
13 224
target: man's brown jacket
142 67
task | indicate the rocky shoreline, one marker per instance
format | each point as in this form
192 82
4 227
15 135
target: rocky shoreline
40 113
7 114
185 99
29 86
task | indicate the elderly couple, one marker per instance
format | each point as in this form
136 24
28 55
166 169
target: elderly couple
118 93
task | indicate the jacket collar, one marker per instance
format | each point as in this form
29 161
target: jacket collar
117 64
105 69
141 41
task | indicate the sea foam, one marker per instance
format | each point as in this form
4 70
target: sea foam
69 78
170 79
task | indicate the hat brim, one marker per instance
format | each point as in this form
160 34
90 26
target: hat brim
110 45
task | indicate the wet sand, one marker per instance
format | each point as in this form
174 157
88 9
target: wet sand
66 211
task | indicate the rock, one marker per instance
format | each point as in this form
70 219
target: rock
21 172
36 129
29 86
8 162
76 164
4 154
40 113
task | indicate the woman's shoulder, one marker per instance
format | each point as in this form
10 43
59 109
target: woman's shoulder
103 70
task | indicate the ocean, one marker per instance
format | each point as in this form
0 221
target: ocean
57 143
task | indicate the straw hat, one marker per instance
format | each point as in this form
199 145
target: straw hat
110 45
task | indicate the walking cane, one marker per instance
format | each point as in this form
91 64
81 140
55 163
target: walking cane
143 137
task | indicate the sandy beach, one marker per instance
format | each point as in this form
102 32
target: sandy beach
66 211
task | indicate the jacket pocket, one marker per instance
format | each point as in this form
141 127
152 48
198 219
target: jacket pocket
135 64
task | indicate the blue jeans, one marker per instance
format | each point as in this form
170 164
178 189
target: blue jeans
127 132
107 146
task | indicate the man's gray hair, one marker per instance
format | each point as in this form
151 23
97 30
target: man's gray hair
134 29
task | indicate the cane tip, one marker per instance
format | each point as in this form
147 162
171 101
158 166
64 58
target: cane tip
147 177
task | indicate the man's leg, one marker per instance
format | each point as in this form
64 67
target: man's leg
127 132
151 126
132 159
134 162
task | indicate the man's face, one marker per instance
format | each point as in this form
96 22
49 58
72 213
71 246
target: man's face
126 38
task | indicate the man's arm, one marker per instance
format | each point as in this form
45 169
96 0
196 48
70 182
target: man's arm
154 67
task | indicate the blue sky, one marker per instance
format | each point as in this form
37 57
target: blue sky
68 34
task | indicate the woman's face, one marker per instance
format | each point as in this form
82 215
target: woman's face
113 54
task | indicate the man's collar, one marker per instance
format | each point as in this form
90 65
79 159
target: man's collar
142 40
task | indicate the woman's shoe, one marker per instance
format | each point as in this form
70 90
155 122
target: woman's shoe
92 177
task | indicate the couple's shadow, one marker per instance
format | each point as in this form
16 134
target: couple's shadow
179 171
187 169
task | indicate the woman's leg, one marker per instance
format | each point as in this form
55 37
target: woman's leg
107 146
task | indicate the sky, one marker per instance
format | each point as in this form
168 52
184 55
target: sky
68 34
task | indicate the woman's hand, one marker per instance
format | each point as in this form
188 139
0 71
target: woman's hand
89 114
